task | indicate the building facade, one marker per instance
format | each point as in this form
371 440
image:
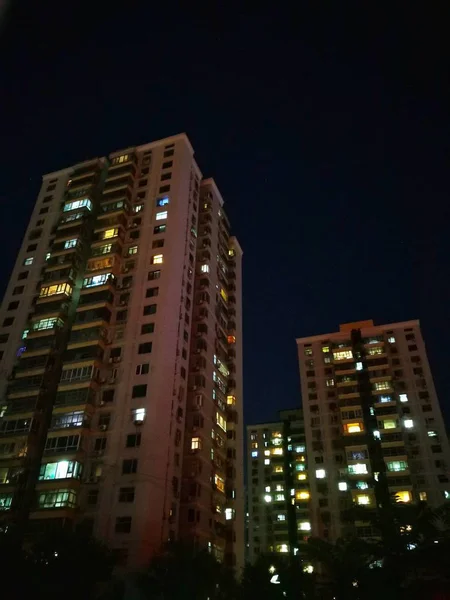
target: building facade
121 358
278 497
374 428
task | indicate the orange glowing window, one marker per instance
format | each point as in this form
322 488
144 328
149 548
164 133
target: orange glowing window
353 427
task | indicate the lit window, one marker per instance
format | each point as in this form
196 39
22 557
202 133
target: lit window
325 349
97 280
353 427
221 422
138 415
299 467
196 443
363 499
231 339
161 215
5 501
302 495
61 288
382 385
279 497
403 496
376 434
70 244
279 488
282 548
408 423
299 449
359 366
138 207
301 476
267 498
308 569
157 259
423 496
48 255
403 397
231 400
321 473
330 382
110 233
342 485
267 452
432 434
342 355
267 488
308 351
255 454
304 526
278 469
205 268
78 204
162 201
267 461
254 444
391 339
224 294
28 261
385 399
357 469
362 485
281 517
46 323
277 451
397 465
389 423
229 514
63 469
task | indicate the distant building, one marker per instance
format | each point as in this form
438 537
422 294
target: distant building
121 358
373 422
278 490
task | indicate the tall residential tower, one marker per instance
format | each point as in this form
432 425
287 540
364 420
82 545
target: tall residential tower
374 428
121 359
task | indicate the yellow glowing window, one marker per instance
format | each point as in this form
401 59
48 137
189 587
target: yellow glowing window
389 424
302 495
278 469
224 294
231 339
278 451
110 233
266 452
325 349
376 350
353 427
221 422
342 354
231 400
220 483
282 548
96 265
157 259
363 499
196 443
382 385
254 444
423 496
61 288
403 496
301 476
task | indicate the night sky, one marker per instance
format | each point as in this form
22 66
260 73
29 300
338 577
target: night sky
326 129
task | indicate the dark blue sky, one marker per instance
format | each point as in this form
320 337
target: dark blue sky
326 129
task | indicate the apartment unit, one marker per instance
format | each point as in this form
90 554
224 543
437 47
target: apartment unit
121 359
374 428
278 497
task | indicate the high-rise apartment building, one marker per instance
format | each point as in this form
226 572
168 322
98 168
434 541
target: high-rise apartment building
278 497
121 358
374 428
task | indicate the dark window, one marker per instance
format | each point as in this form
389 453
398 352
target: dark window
133 440
143 183
168 153
92 497
35 234
166 176
43 210
164 188
145 348
139 391
104 420
154 275
9 321
115 353
158 244
4 338
100 444
51 187
23 275
18 290
129 466
31 247
150 309
134 235
183 373
154 291
410 337
147 328
13 305
184 353
123 525
167 164
427 408
160 229
412 348
47 199
126 494
108 396
143 369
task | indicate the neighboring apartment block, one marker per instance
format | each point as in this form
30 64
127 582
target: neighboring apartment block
373 423
278 491
121 358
